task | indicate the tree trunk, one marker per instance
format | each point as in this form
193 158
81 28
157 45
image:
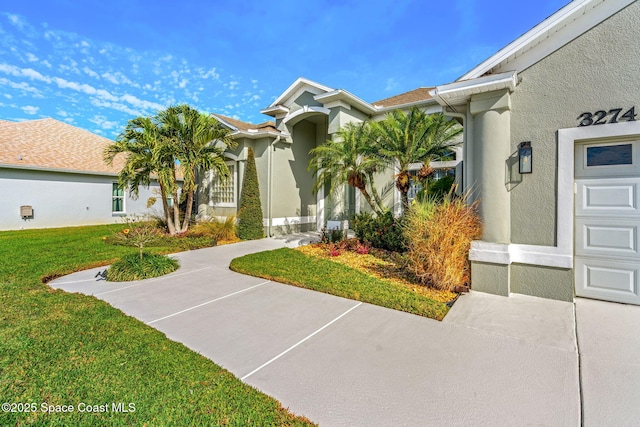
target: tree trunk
376 196
369 200
187 212
167 212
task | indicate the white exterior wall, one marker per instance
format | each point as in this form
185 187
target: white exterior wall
64 199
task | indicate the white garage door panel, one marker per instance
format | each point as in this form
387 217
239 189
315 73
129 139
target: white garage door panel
607 238
608 280
607 221
615 198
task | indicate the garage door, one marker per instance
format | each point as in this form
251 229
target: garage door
607 221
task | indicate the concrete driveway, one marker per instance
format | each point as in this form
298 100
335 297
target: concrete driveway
492 361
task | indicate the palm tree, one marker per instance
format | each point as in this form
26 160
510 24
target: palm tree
147 157
198 142
348 159
414 137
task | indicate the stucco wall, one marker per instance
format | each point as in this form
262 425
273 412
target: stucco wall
597 71
292 182
63 199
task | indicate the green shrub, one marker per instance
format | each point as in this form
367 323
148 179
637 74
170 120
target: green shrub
439 235
440 188
331 236
250 225
132 267
382 232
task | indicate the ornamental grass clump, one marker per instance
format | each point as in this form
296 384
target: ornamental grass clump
439 236
133 267
216 229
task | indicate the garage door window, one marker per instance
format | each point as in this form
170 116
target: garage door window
609 155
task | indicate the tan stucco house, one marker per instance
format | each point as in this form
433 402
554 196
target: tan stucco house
565 94
551 147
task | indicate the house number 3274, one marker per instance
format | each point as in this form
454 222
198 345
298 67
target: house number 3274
601 117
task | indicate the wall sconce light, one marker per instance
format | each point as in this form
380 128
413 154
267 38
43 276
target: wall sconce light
524 156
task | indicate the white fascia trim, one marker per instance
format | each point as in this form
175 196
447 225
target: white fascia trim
61 170
566 24
276 111
306 109
561 255
349 98
423 102
255 134
289 220
229 125
299 84
460 92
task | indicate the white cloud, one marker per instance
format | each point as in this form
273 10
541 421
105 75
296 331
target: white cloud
90 72
211 74
24 87
84 44
30 109
23 72
140 103
391 84
31 57
233 85
183 83
103 122
111 78
6 95
16 21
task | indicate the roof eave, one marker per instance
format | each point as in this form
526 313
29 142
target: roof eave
351 99
460 92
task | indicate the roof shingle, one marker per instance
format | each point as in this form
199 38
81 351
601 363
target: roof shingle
51 144
416 95
244 126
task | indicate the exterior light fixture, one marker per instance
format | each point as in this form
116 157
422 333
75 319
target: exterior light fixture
524 156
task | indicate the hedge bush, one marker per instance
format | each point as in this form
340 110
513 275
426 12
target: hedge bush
250 225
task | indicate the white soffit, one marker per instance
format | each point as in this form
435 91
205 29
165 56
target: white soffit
568 23
461 91
299 84
343 95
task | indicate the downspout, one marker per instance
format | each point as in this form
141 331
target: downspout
270 186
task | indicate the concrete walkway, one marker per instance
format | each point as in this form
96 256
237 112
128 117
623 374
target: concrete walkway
492 361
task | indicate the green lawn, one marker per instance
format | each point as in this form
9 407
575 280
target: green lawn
295 268
58 348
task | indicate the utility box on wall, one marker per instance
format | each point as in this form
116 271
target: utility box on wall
26 212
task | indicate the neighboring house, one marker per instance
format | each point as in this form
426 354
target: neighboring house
571 88
52 175
306 115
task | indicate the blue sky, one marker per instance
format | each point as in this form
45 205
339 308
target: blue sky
98 64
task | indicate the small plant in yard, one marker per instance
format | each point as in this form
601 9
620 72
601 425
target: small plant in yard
439 236
333 250
136 267
382 231
331 236
138 234
362 249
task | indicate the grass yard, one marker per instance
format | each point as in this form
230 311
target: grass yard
317 273
60 349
